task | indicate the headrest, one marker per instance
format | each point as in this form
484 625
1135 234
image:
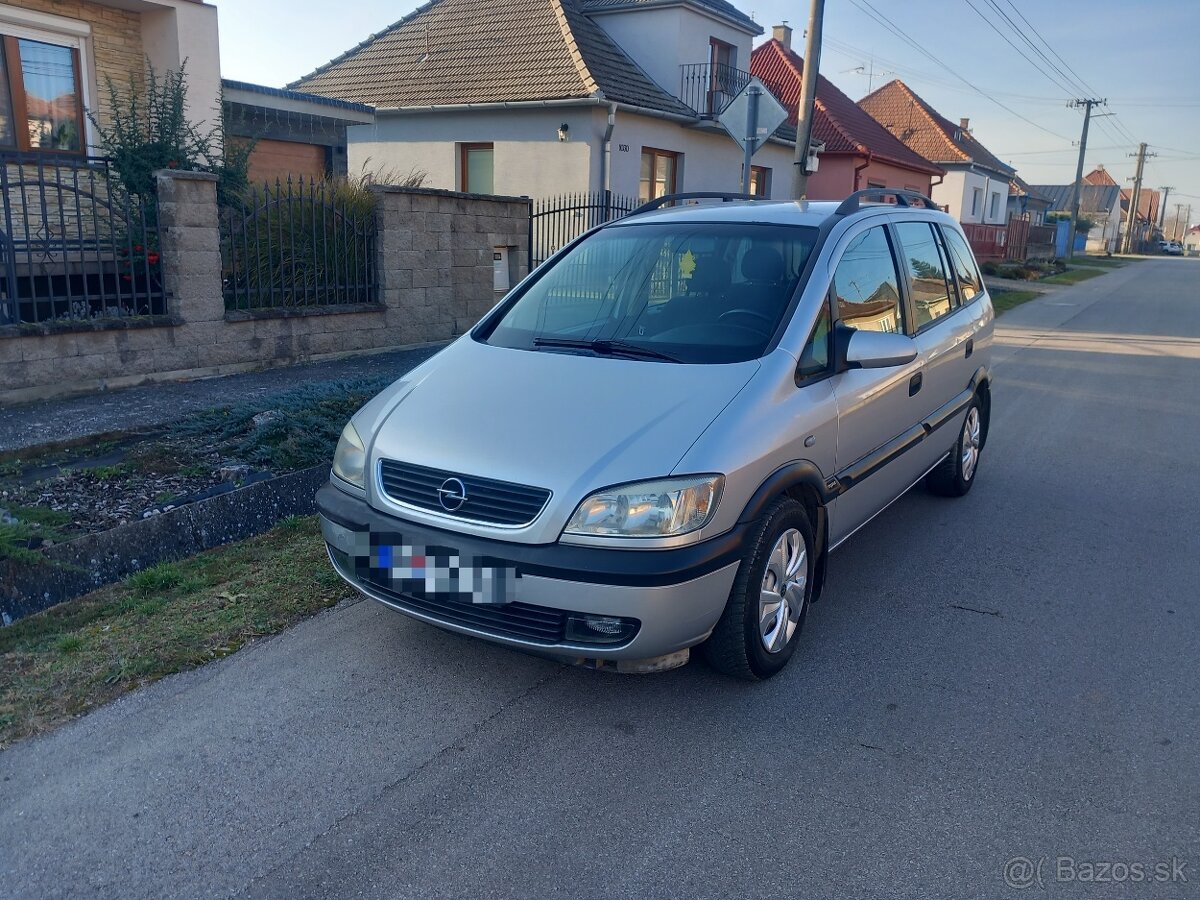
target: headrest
762 264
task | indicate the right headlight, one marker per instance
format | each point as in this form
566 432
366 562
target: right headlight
661 508
350 459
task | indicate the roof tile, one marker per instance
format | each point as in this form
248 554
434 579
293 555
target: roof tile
925 130
482 51
837 120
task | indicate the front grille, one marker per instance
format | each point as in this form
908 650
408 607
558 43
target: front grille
488 500
536 624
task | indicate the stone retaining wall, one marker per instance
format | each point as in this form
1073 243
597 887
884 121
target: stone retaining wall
435 276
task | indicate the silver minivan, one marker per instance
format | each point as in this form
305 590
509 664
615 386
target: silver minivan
655 441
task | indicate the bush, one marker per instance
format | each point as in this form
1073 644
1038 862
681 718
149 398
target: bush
150 131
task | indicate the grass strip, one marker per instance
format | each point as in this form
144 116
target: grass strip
1073 276
1003 301
174 616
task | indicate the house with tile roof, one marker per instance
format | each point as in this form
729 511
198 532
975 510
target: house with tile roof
1191 241
859 152
1099 203
1149 203
541 97
975 189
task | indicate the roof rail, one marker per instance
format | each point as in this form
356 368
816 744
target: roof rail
903 198
723 196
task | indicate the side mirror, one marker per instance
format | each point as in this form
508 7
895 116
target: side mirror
879 350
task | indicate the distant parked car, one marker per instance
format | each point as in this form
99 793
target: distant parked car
657 438
1170 248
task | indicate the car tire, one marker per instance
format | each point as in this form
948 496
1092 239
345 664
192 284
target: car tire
752 640
955 475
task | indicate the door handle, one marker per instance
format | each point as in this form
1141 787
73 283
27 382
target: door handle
970 347
914 384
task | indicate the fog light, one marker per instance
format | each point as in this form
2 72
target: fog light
584 628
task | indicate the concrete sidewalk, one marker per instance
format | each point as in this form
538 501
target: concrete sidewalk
71 418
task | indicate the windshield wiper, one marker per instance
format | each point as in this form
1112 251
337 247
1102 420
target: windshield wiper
607 348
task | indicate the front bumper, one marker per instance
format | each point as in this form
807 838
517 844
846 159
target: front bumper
676 595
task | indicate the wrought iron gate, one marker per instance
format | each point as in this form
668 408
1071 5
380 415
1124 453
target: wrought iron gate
556 221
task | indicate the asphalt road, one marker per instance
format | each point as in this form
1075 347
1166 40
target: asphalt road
1010 675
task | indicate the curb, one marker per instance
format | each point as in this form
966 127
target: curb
77 567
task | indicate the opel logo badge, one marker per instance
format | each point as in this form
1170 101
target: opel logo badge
452 494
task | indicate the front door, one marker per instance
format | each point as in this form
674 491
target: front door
880 410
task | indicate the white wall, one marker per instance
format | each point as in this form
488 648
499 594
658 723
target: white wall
956 191
178 30
529 159
711 159
663 40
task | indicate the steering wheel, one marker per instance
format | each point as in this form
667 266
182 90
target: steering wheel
766 320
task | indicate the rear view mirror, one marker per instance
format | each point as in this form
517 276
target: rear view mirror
879 350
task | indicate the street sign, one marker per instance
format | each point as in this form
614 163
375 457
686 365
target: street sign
736 116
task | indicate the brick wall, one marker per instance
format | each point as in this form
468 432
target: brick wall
435 281
116 43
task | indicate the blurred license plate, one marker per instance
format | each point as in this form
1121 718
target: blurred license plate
439 573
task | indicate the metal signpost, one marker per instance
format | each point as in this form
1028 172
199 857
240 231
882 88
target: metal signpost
750 118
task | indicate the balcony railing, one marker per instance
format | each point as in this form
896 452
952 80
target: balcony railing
708 88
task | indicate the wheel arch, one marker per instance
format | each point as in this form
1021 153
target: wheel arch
802 481
981 383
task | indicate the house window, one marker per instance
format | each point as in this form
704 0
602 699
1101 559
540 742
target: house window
659 171
976 200
994 211
760 181
875 185
41 98
477 172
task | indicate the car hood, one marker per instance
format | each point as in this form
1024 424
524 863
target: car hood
566 422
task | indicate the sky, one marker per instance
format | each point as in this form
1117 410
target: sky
1138 55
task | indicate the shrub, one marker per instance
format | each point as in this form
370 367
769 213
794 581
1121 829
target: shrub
150 130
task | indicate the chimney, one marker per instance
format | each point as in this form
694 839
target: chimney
964 124
783 34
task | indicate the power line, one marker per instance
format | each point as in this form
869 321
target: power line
867 9
1025 56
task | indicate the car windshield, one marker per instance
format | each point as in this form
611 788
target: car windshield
679 292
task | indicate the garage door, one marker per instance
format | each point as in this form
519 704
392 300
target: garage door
273 159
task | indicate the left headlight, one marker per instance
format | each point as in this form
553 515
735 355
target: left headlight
660 508
350 459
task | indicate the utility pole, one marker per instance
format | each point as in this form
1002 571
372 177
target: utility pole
1136 197
1077 189
1162 213
1187 221
812 66
1175 224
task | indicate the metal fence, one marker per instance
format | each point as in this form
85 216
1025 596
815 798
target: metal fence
556 221
299 243
74 244
988 241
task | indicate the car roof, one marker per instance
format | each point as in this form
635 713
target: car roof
814 213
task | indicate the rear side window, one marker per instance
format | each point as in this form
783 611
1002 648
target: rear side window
932 292
969 279
865 284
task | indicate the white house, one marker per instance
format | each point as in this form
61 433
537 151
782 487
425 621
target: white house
975 188
544 97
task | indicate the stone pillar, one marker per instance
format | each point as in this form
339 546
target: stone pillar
191 244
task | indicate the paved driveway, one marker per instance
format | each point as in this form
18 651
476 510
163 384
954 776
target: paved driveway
1015 674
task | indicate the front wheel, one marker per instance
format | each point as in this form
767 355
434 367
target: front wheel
760 627
956 474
